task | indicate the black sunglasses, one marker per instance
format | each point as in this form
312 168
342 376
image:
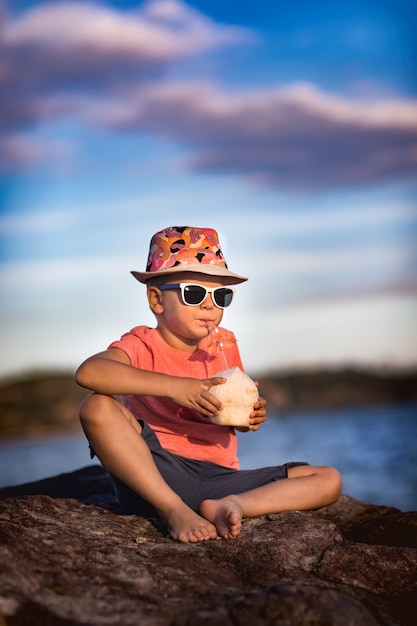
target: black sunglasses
193 294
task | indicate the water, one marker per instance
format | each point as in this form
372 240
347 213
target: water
375 449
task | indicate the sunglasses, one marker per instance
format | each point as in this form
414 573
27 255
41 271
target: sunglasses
193 294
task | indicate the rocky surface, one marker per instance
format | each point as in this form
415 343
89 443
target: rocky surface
67 558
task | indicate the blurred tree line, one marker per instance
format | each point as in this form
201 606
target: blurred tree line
46 403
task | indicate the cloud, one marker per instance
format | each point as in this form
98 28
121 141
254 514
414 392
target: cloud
295 137
59 36
38 223
21 151
83 46
105 68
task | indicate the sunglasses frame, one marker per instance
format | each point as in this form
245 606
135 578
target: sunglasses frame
208 290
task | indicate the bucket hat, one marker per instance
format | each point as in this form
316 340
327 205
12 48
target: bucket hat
186 249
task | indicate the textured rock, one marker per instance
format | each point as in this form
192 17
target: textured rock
65 562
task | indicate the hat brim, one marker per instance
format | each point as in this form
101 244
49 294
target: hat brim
211 270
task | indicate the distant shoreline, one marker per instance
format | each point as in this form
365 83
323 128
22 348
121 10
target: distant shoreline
333 388
46 403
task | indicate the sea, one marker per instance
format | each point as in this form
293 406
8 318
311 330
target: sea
374 449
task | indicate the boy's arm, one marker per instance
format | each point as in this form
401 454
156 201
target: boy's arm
111 373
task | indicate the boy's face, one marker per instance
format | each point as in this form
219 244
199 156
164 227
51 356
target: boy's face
183 326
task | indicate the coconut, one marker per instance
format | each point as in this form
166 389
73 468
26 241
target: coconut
238 395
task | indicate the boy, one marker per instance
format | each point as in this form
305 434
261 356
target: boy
165 456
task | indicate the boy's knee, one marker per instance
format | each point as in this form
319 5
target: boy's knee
334 482
99 410
93 406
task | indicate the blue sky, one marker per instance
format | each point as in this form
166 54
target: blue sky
291 128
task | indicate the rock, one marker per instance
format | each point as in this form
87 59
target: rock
67 562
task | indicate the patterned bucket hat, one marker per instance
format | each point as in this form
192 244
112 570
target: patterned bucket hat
186 249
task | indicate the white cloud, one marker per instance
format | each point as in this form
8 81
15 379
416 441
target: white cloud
103 67
296 137
353 259
161 30
25 151
35 223
380 331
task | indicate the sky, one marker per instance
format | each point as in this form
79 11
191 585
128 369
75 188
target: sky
290 128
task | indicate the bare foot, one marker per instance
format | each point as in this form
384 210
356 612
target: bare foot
225 514
187 526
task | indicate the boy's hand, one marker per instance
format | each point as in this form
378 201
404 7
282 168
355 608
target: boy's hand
258 415
195 394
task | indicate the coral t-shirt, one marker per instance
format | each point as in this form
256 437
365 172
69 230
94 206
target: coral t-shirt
183 431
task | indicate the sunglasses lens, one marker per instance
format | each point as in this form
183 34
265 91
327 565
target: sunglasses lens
194 294
223 297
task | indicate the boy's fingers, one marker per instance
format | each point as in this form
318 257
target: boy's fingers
217 380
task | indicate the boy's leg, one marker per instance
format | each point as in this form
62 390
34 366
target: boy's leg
307 487
115 436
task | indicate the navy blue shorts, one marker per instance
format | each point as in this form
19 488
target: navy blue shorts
195 481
